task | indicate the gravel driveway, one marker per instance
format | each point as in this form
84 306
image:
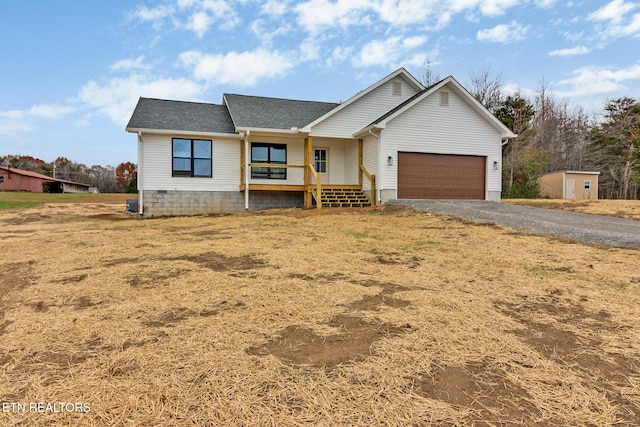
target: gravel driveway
585 228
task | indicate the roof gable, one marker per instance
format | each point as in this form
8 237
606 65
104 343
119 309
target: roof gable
162 114
401 72
273 113
459 90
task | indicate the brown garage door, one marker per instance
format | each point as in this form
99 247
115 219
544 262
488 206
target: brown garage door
440 176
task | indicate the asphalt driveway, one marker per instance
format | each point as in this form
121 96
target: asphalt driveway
585 228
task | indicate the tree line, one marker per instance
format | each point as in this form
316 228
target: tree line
554 135
107 179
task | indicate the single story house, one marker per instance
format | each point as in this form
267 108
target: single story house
393 140
21 180
570 185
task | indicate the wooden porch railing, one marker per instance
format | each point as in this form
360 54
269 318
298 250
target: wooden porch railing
317 194
372 179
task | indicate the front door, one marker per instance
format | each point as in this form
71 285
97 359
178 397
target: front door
571 189
321 163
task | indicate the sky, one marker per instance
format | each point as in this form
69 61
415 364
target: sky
72 71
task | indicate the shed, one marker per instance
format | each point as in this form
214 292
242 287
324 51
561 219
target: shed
570 185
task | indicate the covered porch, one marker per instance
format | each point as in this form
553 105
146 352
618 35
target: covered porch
327 171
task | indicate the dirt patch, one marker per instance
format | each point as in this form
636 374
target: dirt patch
579 352
221 262
484 392
302 346
25 218
16 276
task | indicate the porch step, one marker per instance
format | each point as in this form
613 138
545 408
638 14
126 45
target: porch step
344 198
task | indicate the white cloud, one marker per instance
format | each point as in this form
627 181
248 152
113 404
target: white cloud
578 50
504 33
315 15
593 80
242 69
117 97
613 11
14 121
155 13
274 8
130 64
615 20
199 23
383 52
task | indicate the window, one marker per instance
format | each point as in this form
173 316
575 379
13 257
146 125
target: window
191 157
320 160
268 153
1 179
587 184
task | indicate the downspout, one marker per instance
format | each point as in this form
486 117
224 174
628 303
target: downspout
379 174
246 170
564 185
139 177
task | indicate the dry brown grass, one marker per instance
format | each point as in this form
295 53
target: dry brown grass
335 317
629 209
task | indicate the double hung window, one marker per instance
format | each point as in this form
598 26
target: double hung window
268 154
191 157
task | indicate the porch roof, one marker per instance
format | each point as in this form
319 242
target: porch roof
162 114
274 113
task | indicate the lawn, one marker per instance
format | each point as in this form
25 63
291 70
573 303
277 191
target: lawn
380 316
22 199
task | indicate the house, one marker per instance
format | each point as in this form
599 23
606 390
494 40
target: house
394 140
570 185
21 180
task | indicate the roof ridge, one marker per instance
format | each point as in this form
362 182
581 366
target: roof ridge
279 98
181 101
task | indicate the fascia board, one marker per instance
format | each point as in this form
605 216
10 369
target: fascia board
184 132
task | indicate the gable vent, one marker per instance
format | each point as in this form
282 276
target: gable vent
444 98
397 88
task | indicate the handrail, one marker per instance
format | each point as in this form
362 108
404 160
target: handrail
274 165
372 179
318 194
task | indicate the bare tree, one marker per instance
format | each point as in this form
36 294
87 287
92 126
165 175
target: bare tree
487 88
429 78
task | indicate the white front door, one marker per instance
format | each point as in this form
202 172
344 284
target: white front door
321 163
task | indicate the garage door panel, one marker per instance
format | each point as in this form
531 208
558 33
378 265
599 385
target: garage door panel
440 176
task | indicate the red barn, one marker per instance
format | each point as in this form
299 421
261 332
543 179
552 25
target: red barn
20 180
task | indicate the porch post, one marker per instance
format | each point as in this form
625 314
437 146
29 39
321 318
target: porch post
308 143
360 163
246 170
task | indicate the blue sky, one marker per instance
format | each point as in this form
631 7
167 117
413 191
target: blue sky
73 70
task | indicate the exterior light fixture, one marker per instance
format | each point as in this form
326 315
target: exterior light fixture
390 161
495 165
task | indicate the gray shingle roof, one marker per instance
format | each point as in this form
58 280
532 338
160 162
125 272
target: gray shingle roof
163 114
274 113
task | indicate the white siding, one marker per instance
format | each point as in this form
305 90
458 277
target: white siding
156 157
363 111
370 159
429 127
351 162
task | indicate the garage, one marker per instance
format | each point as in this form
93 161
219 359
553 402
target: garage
441 176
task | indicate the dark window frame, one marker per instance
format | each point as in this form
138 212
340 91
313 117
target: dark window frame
268 173
192 159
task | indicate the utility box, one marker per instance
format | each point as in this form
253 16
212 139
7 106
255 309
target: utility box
132 206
